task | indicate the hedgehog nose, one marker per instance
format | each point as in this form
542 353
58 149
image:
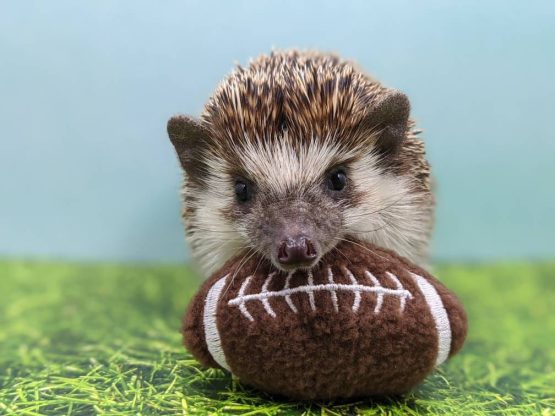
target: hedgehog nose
298 251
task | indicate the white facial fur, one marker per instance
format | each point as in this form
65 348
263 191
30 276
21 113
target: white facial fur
390 215
393 215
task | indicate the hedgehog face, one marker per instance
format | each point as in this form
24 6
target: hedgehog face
295 153
293 203
278 198
289 200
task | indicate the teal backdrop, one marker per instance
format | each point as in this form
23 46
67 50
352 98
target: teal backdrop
87 173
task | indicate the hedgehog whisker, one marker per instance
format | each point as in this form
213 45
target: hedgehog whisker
244 260
237 270
385 225
370 231
211 230
381 209
258 265
343 254
360 245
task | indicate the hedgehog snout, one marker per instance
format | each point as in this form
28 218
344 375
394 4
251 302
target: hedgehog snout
297 252
294 232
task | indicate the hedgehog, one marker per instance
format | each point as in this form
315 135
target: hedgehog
295 153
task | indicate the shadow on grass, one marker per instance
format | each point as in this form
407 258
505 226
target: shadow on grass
238 396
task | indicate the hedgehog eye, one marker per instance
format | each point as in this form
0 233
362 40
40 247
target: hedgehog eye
337 180
242 191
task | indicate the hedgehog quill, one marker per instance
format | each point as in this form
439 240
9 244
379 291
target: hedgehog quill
307 203
295 153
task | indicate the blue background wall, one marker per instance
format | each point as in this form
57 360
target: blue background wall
86 170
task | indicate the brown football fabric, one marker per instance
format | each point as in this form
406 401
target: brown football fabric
364 322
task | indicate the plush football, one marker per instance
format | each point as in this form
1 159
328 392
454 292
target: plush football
364 322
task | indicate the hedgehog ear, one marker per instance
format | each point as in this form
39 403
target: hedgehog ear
390 117
186 134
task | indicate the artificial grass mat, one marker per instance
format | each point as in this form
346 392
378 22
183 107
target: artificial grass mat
104 339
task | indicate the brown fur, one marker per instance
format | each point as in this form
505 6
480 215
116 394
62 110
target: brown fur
324 354
309 95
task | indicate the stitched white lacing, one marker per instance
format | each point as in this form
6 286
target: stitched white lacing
332 287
